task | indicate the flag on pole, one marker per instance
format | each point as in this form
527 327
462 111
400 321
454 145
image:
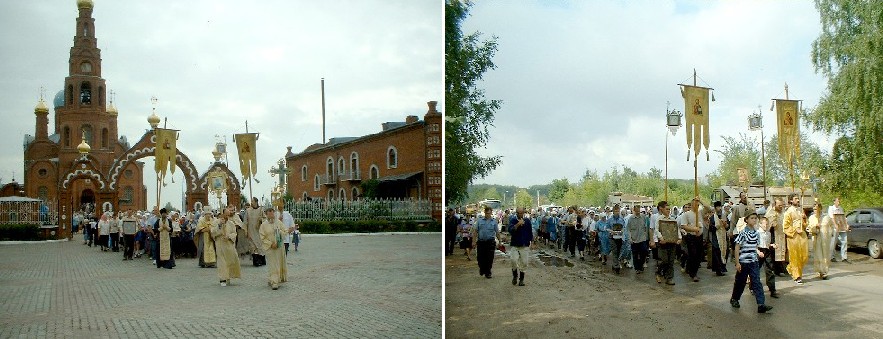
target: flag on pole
166 150
696 109
789 128
248 160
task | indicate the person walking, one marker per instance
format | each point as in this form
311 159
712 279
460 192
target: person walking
616 224
451 224
666 248
224 235
835 212
271 232
766 245
639 238
205 243
486 235
466 231
104 231
747 265
795 235
821 228
130 227
521 238
690 224
165 257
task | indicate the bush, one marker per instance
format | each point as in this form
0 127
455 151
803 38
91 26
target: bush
19 232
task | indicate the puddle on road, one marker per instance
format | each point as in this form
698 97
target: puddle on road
550 260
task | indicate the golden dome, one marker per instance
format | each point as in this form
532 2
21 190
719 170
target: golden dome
84 4
84 147
153 120
41 107
112 110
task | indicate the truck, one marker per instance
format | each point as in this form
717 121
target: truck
756 196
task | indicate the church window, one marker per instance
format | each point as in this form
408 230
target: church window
341 167
43 193
42 172
70 95
104 138
354 166
316 183
329 170
303 173
85 29
86 67
128 195
85 93
342 194
87 134
67 136
129 174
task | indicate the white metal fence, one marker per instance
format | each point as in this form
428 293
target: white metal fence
365 209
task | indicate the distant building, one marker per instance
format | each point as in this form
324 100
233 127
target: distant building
403 160
628 200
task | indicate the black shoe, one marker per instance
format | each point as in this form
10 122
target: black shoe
735 304
720 274
763 308
514 277
774 294
487 275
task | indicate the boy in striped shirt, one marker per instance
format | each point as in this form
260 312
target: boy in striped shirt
748 264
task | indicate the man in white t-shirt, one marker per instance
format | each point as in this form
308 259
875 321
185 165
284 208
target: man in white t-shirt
836 213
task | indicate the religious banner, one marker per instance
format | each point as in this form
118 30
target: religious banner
789 127
248 160
696 111
166 150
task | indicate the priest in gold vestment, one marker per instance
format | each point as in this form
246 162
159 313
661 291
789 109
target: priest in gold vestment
794 224
272 231
225 247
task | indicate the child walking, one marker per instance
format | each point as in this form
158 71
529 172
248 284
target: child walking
749 264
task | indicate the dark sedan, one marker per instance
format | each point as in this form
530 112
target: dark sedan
867 230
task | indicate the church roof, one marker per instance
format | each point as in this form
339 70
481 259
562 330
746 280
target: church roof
59 99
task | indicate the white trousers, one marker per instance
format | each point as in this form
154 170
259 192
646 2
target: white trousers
520 257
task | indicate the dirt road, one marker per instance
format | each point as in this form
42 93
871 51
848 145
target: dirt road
564 298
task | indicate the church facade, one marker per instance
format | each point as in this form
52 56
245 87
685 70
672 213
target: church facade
66 162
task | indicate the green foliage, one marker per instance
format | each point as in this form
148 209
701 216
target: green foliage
559 189
524 199
367 226
848 53
369 188
469 114
24 232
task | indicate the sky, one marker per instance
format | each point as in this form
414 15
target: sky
213 65
585 84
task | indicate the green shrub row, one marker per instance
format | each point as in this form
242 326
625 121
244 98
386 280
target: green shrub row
367 226
19 232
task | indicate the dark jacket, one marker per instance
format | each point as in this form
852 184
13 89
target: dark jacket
523 235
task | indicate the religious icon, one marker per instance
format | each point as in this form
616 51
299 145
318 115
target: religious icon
697 108
166 145
217 183
246 149
789 121
669 230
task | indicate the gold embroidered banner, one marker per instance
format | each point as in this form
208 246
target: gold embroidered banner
248 160
696 111
166 149
789 128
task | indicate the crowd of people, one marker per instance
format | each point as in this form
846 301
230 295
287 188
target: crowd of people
771 238
217 239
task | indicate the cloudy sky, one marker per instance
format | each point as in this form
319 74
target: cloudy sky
584 84
215 64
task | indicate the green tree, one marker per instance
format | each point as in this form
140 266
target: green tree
741 152
490 193
848 53
468 113
558 189
523 199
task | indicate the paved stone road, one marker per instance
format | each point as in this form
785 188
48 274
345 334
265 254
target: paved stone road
339 286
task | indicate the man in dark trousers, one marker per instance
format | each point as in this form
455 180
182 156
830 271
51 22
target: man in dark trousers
451 222
485 235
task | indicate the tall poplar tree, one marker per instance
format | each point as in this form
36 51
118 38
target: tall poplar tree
468 115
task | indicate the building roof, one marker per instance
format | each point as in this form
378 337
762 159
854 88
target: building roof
399 177
341 141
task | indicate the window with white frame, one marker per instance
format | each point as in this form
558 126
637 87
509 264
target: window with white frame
304 196
375 172
392 157
330 195
341 194
303 173
316 183
355 193
354 165
329 167
341 167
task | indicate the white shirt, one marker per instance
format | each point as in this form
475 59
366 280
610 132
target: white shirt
654 224
688 218
832 210
288 222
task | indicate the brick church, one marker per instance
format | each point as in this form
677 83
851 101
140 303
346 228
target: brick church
64 166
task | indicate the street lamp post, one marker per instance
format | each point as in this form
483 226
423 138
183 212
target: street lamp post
673 120
755 122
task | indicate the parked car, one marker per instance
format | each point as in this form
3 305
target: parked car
867 230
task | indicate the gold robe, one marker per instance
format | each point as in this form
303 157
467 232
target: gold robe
165 245
774 220
796 238
253 218
204 229
271 234
228 262
822 233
